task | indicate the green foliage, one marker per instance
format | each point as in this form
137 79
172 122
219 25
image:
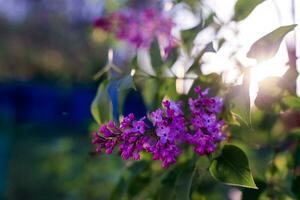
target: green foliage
232 168
114 5
250 194
177 183
244 7
101 106
184 181
239 100
269 93
292 102
107 98
132 181
166 191
267 46
155 54
295 187
52 166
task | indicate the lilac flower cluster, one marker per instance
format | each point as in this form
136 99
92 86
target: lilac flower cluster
206 128
139 27
169 128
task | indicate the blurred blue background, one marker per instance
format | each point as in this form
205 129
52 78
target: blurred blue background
48 56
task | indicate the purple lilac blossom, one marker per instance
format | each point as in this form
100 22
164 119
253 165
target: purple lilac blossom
140 28
207 128
169 129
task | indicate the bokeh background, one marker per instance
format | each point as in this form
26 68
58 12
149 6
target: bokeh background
49 53
48 57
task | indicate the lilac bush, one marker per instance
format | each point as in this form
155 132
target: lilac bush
169 127
172 129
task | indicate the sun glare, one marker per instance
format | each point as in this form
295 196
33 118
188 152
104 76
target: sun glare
263 70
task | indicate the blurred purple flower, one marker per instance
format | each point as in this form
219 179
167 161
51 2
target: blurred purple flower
140 28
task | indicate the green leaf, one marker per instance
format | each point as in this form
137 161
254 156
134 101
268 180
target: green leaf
269 93
155 54
120 190
295 135
139 178
166 192
126 83
244 7
232 168
267 46
177 183
239 98
114 5
289 78
292 102
184 181
230 117
125 186
117 89
150 94
101 107
169 89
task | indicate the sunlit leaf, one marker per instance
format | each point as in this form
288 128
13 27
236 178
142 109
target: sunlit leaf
101 108
232 168
269 93
289 79
267 46
239 98
230 117
244 7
